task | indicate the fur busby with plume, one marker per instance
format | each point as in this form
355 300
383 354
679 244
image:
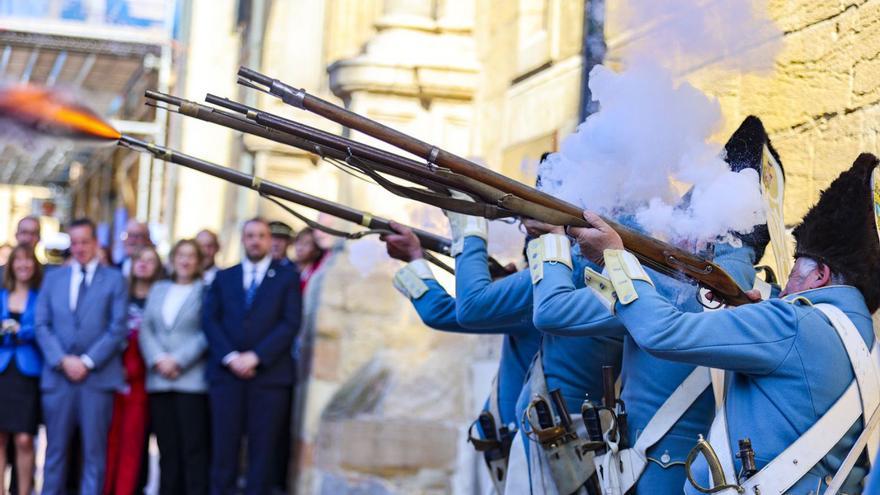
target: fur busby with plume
745 149
840 230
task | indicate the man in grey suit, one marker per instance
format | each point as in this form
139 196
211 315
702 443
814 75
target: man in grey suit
80 327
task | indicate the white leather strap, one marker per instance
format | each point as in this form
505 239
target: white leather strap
620 470
799 458
853 456
864 367
673 409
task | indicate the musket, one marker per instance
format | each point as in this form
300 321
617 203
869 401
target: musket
527 200
428 240
341 151
371 161
366 158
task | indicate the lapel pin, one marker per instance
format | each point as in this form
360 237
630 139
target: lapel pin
270 273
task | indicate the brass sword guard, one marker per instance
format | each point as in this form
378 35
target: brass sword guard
715 469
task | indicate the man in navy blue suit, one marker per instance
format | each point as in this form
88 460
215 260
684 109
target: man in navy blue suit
252 314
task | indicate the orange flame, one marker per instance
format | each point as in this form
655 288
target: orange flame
47 111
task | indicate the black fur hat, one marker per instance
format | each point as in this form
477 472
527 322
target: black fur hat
840 230
745 149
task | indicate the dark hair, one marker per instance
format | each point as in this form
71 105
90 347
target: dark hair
255 220
159 273
84 222
9 272
199 257
308 231
29 218
210 233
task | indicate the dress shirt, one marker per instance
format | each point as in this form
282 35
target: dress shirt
209 275
174 299
247 267
126 268
76 279
261 266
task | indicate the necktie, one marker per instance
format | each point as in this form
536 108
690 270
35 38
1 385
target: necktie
83 287
251 292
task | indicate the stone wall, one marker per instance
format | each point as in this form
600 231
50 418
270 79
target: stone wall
820 103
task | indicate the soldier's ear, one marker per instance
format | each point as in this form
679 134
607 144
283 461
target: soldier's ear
822 275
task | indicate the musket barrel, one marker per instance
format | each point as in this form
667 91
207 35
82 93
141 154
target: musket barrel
227 103
429 240
254 76
298 136
324 138
163 97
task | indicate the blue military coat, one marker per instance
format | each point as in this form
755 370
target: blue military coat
787 366
572 364
647 381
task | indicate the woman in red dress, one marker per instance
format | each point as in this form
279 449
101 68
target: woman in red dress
128 429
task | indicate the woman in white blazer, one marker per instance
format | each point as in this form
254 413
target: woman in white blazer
175 351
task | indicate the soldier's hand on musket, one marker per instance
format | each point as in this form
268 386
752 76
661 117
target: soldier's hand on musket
596 238
404 245
754 295
534 228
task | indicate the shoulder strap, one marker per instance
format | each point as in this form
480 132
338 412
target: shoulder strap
673 409
853 456
495 407
864 367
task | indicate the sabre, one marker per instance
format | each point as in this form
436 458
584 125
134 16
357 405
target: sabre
527 201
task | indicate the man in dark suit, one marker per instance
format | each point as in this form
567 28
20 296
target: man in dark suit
80 327
251 316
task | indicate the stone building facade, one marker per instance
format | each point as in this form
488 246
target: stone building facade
500 80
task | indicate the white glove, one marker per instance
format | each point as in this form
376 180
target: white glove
463 226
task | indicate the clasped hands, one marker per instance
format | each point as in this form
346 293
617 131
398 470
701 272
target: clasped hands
244 365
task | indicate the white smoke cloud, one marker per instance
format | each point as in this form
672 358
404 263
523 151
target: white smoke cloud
730 34
650 141
506 241
368 255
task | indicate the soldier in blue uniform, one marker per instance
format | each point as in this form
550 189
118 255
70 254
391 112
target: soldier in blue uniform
572 364
658 439
437 309
792 408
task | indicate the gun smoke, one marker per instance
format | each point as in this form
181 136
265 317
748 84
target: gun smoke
650 142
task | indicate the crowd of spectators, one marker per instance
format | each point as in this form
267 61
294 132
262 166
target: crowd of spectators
106 354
